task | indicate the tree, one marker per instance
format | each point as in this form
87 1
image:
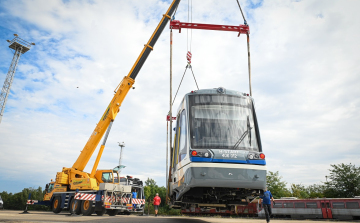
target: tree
150 182
299 191
344 181
315 191
276 186
18 201
150 191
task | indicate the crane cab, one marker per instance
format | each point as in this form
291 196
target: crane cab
107 176
52 187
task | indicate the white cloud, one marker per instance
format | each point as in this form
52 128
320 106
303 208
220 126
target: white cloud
305 80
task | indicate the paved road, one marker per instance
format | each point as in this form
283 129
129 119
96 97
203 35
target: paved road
37 216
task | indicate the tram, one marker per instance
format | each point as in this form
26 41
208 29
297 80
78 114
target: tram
217 158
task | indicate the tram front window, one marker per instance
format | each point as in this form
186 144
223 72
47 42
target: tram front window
220 121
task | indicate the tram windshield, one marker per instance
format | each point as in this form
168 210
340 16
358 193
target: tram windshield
222 122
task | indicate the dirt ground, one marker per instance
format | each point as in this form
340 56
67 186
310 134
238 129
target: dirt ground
39 216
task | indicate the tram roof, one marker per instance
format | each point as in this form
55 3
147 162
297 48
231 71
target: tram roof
218 91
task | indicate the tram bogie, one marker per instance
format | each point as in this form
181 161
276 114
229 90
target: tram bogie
217 157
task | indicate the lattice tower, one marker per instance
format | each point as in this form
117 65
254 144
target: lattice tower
20 46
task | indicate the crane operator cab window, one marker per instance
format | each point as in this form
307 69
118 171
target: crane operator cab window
49 188
107 177
116 177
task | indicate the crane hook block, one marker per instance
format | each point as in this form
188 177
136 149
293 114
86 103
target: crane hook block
188 57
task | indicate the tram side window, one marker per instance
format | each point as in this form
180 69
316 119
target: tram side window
352 205
277 205
289 205
338 205
311 205
182 140
299 205
176 141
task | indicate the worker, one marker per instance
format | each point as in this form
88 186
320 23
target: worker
156 202
134 196
266 197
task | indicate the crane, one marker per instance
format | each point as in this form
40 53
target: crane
74 178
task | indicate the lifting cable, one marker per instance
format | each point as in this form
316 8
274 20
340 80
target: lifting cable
245 23
248 48
187 66
187 30
188 48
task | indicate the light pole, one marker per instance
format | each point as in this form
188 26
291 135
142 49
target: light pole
20 46
121 144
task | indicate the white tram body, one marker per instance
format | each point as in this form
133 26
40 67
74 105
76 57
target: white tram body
217 158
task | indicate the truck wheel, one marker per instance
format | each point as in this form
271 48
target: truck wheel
87 208
77 207
56 205
101 213
112 212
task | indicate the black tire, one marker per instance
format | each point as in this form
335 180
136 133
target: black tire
101 213
87 208
77 209
56 205
112 212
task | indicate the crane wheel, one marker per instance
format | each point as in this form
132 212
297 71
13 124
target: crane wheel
101 213
56 205
112 212
87 208
75 207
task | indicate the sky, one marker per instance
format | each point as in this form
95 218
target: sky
305 82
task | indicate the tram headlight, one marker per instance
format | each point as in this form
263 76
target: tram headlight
256 156
201 153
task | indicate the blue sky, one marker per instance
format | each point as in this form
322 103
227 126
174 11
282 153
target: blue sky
305 82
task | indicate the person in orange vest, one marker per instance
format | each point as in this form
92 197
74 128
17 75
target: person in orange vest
156 202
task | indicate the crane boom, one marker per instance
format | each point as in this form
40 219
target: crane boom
120 94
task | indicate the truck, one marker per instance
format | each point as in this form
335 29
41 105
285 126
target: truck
111 198
105 188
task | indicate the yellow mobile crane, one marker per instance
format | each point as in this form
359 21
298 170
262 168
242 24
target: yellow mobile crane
74 178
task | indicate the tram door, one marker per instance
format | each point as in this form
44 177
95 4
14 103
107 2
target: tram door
325 209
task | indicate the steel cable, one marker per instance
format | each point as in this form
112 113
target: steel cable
194 77
180 84
242 12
